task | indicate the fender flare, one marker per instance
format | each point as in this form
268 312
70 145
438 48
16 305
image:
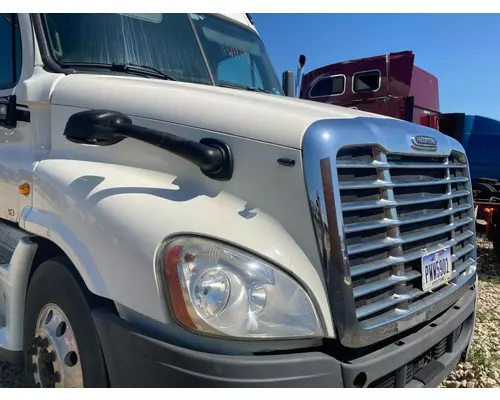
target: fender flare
50 227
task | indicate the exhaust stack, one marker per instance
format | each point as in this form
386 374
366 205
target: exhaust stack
288 84
300 72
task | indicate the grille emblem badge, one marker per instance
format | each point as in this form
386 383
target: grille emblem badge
424 143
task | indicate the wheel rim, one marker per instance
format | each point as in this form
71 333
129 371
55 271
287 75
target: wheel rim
55 360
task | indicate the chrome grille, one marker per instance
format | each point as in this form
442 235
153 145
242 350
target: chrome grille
393 207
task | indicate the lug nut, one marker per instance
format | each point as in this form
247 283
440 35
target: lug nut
40 342
37 341
48 357
32 368
33 351
55 378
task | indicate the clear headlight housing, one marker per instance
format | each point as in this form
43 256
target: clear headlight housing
220 290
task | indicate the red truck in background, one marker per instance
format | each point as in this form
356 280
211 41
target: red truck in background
392 85
387 84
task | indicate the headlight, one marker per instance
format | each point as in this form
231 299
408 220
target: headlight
217 289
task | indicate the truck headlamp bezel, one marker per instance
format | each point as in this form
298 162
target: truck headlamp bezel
217 289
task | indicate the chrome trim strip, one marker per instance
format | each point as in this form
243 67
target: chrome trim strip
382 184
414 255
365 205
321 143
402 239
363 226
353 80
401 165
391 281
412 294
430 307
320 78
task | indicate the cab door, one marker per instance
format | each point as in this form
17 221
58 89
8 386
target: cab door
15 138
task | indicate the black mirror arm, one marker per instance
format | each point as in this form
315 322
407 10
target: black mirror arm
206 157
105 128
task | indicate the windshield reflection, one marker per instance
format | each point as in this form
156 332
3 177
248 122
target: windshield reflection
197 48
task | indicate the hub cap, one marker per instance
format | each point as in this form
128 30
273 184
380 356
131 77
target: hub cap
54 352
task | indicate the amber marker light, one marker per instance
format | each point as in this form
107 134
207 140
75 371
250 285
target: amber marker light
172 261
24 189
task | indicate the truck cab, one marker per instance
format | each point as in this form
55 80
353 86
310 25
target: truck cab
388 84
169 218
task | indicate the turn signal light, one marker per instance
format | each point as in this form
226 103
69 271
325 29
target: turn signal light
24 189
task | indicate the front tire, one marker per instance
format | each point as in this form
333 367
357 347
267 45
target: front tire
61 345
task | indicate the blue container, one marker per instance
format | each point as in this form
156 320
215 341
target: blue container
481 141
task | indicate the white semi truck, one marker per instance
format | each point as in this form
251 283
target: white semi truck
169 217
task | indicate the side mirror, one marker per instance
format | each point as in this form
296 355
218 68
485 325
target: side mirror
288 84
105 128
8 112
98 127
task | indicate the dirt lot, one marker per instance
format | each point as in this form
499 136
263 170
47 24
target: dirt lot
483 367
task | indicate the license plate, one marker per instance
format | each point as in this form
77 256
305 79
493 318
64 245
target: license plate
436 269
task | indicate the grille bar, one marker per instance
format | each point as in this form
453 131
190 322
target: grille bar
370 267
404 165
393 207
365 205
380 184
460 253
386 303
363 247
395 279
462 267
364 226
410 295
382 284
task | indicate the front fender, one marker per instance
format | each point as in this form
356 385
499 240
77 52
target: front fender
110 221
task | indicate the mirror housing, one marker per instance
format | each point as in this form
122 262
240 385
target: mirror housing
8 112
288 84
99 127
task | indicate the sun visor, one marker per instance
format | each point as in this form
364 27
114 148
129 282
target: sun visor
156 18
231 42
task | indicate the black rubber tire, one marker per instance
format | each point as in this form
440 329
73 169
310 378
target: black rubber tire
484 187
495 239
54 282
496 248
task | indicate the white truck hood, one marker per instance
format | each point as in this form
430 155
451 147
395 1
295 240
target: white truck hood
260 116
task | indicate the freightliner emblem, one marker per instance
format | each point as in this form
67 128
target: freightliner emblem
424 142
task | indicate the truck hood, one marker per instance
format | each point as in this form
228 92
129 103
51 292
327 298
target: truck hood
260 116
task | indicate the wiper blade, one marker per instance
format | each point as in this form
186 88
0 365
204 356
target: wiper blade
140 68
242 87
123 67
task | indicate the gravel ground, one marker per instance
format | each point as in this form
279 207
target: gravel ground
481 370
11 376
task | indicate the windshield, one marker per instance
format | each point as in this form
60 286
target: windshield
197 48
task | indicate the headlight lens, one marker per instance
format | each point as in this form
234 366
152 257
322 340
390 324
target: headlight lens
220 290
